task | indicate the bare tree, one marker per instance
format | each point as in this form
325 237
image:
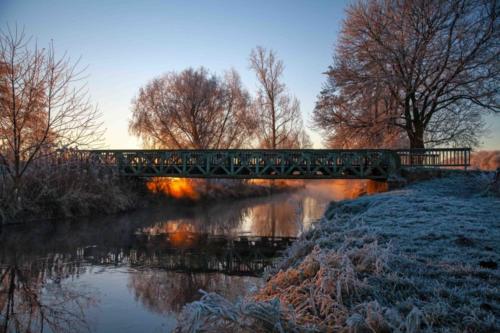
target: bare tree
43 105
280 121
193 109
422 69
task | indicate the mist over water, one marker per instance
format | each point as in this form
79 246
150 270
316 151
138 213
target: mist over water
136 271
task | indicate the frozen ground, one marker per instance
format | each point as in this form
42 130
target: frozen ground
421 259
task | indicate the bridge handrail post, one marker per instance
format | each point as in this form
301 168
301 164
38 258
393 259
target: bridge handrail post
120 162
467 154
394 166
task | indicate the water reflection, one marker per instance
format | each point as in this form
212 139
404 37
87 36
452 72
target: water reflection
166 292
135 272
33 299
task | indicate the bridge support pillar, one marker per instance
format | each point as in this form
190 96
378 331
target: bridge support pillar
395 181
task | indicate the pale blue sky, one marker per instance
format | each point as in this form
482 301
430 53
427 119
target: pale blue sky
126 43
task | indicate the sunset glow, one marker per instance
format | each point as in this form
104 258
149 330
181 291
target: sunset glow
178 188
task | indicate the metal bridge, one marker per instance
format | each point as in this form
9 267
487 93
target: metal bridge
250 163
273 164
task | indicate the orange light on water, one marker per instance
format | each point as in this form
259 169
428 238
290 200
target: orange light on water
341 189
181 235
179 188
348 189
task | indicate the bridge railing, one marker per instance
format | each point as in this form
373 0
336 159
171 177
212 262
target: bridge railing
435 157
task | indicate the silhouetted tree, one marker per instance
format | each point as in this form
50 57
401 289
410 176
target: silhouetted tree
193 109
422 69
280 121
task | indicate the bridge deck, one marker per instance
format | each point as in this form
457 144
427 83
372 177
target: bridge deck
250 163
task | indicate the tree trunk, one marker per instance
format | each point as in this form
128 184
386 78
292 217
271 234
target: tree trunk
417 139
417 142
274 125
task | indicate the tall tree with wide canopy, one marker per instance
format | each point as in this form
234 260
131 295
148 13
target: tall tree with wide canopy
415 72
193 109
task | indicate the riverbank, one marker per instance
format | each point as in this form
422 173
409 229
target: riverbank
84 194
422 258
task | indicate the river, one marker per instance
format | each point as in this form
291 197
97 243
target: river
134 272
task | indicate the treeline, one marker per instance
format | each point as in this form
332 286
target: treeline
404 74
485 160
197 109
44 108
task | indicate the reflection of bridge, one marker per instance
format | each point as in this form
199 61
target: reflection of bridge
274 164
244 256
240 256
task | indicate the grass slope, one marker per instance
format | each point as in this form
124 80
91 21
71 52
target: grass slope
421 259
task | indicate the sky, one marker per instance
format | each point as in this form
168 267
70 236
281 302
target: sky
124 44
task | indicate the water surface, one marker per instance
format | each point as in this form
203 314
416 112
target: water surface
135 272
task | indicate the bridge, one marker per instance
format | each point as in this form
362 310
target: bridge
272 164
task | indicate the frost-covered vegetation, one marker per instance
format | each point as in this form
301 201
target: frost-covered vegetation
420 259
213 313
72 188
485 160
66 190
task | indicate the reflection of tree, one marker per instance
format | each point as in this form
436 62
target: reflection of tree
287 215
277 219
32 300
221 219
215 220
167 292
